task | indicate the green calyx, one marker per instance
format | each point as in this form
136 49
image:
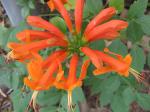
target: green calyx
75 43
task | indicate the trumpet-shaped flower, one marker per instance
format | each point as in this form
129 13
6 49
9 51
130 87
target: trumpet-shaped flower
22 51
111 64
52 5
41 78
72 81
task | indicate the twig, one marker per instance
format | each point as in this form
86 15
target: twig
2 93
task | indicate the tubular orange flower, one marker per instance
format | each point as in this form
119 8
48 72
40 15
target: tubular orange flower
52 6
33 35
59 6
78 14
107 30
38 78
104 15
71 81
22 51
54 56
119 64
41 23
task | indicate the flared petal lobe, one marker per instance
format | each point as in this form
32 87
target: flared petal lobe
78 14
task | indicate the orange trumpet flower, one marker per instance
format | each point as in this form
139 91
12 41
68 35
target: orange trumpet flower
110 64
39 78
103 16
41 23
33 35
107 30
52 6
22 51
78 14
72 81
61 9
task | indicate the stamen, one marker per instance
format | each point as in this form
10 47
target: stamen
70 106
9 55
33 101
136 74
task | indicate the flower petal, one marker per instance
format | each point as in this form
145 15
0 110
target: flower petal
84 70
51 5
72 70
117 65
41 23
93 56
103 70
53 56
103 30
64 13
78 14
41 44
31 35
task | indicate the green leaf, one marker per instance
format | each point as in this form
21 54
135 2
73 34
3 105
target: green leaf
118 47
143 100
5 76
60 23
94 83
15 30
105 98
49 98
14 79
25 11
118 104
137 9
20 101
110 84
31 4
21 68
134 31
118 4
99 45
94 6
42 1
128 96
144 21
49 109
71 4
78 95
4 32
138 57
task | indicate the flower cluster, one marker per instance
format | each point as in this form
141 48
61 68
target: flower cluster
48 72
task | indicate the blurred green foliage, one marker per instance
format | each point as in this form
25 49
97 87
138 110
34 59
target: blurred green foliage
113 90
